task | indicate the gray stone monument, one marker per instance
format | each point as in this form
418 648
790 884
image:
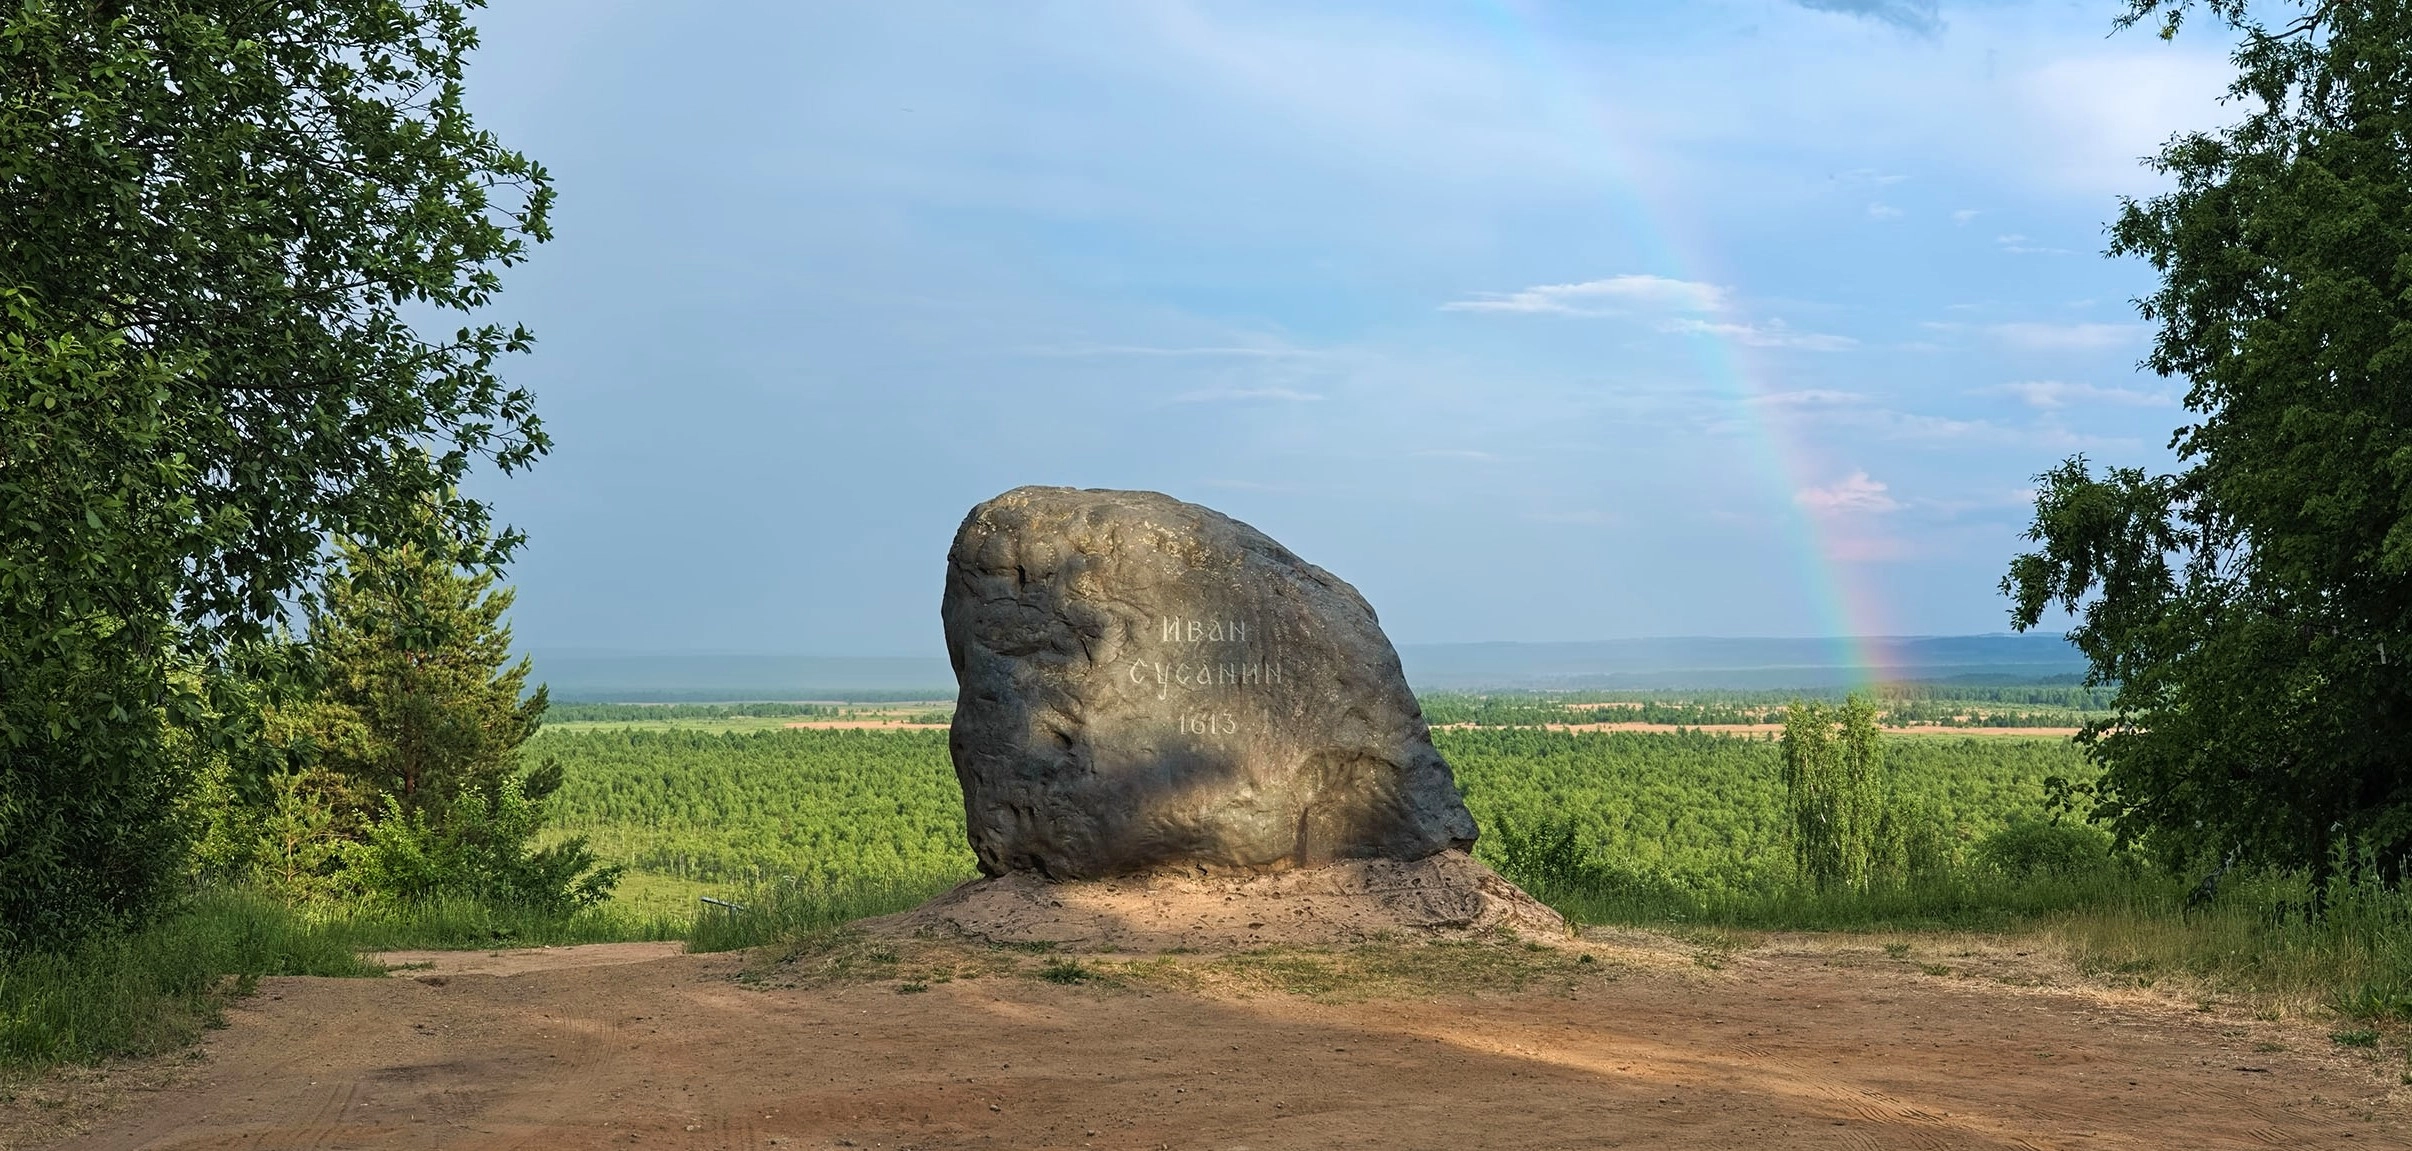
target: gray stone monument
1148 684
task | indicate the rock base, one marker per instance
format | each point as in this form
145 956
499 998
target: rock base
1448 895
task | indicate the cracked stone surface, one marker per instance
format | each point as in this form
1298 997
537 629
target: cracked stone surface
1148 684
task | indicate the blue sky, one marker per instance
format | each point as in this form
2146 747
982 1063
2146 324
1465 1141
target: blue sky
1536 322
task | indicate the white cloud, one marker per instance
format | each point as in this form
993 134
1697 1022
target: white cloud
1809 398
1852 494
1242 395
2018 244
1850 410
1772 334
1630 294
1869 548
2068 337
1909 15
1139 350
1914 426
1590 518
1964 215
2088 121
1883 211
1610 296
2053 394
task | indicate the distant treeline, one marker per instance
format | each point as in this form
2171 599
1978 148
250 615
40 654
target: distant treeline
1944 704
1948 704
573 692
642 712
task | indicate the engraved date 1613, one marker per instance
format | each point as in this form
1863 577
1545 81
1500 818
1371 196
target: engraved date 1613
1209 723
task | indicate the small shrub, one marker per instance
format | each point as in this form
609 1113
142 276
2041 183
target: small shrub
2030 848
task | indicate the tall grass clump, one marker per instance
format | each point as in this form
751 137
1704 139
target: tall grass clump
447 922
785 909
157 987
2272 935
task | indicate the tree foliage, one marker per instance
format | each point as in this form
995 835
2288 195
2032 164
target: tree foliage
1834 791
2254 608
226 231
401 777
420 699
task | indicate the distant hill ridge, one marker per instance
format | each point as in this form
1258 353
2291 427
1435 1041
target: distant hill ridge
1634 664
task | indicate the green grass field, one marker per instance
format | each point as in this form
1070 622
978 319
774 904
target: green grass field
1670 827
1700 811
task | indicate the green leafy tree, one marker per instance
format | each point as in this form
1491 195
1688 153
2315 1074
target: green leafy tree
2253 609
1834 790
420 715
229 233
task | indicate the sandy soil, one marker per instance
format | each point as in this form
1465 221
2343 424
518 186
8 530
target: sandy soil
1442 896
1800 1042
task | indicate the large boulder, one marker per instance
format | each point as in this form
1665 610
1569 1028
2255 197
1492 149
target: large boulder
1149 684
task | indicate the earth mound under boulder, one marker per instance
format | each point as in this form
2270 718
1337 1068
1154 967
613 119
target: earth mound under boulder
1445 895
1150 684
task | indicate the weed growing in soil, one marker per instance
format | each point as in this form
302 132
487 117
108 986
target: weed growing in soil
1066 971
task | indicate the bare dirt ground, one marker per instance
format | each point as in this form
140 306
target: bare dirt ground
1785 1042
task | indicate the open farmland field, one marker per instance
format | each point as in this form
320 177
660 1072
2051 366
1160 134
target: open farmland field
829 806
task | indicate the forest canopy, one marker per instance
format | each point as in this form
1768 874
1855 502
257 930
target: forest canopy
2254 607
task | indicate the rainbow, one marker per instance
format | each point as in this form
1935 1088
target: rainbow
1846 610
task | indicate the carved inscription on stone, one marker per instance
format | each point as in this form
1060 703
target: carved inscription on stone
1210 658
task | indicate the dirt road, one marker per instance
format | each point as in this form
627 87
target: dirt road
1791 1044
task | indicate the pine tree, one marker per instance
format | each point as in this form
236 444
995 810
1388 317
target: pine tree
422 715
417 654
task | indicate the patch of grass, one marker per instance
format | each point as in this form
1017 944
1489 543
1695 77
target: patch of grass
463 924
2261 941
1396 970
789 911
158 988
2358 1037
824 956
1066 971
